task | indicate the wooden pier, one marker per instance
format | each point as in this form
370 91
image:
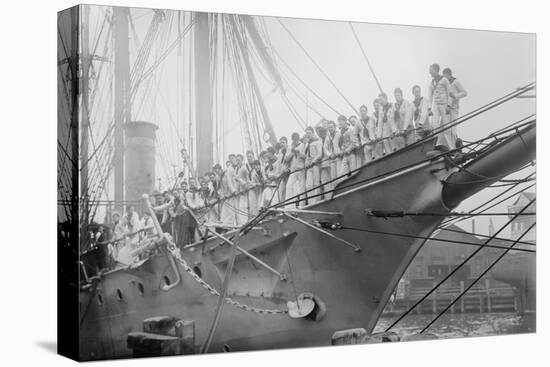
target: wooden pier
480 298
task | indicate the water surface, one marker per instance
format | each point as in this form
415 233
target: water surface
462 325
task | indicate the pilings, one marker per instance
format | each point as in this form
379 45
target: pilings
479 299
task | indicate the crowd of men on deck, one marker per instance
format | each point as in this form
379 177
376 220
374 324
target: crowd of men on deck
302 170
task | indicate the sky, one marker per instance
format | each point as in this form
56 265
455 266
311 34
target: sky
489 65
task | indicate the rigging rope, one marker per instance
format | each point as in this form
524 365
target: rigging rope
400 214
478 278
294 112
490 200
318 67
300 97
478 111
305 84
365 56
458 267
164 55
494 186
289 201
433 240
455 122
484 236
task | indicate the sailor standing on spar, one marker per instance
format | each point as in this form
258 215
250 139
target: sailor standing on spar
225 191
456 94
420 111
282 166
257 180
118 233
193 201
386 124
232 201
355 130
325 164
366 133
348 143
254 191
403 118
313 152
332 153
271 174
439 94
243 184
296 184
378 149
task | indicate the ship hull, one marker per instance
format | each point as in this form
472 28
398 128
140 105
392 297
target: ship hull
353 286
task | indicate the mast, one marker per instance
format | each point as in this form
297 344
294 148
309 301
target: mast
85 117
75 83
203 95
122 108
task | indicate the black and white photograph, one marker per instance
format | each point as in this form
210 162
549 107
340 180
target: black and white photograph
231 182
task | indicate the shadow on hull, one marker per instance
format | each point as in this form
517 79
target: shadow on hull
354 286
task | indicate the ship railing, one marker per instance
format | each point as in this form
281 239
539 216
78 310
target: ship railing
364 153
254 196
210 212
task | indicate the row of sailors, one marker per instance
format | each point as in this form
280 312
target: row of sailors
311 163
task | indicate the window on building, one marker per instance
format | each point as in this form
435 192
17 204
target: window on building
438 271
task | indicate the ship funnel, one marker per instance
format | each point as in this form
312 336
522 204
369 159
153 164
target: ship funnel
504 158
139 156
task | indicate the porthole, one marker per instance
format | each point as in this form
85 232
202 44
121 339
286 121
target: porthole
119 295
197 271
141 289
166 280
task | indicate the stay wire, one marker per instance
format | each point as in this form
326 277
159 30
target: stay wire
365 56
288 201
472 212
318 67
459 120
478 278
458 267
431 239
478 111
305 84
484 236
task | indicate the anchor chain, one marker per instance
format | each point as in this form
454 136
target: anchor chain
176 254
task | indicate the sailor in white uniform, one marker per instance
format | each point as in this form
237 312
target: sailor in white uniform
313 152
456 94
403 118
420 109
439 94
296 161
332 156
